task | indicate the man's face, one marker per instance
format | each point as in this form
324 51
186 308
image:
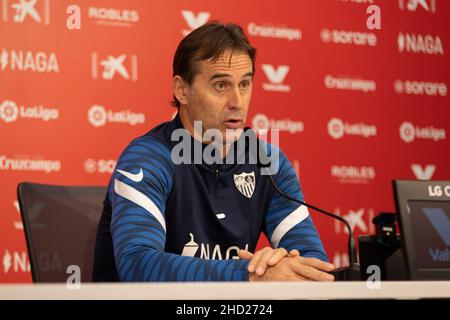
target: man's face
220 94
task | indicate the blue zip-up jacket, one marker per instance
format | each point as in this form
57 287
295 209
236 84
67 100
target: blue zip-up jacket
186 222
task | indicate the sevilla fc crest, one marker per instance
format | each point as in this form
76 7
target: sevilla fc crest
245 183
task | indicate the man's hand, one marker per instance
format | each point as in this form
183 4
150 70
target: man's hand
277 265
297 269
264 258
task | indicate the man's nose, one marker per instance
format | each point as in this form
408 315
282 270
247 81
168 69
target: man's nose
235 99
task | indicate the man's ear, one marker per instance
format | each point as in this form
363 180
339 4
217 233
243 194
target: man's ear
180 89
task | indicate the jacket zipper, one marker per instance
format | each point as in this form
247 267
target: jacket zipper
216 178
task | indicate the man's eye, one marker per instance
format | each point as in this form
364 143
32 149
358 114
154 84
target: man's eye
220 86
245 84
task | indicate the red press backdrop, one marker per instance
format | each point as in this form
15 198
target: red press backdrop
356 107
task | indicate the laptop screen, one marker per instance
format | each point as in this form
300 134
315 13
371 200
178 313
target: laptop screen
423 209
430 224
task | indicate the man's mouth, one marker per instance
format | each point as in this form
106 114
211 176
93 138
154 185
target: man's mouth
233 123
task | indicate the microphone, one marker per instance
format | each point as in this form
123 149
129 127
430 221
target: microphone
350 273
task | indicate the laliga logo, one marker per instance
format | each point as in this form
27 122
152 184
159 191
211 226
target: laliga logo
407 132
97 116
9 111
194 21
336 128
260 122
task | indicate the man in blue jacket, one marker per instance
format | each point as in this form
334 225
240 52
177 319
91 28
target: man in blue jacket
172 215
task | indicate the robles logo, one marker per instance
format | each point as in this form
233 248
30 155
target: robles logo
10 112
262 122
113 17
337 128
353 174
98 116
409 132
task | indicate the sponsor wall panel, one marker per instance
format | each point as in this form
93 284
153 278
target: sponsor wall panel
355 107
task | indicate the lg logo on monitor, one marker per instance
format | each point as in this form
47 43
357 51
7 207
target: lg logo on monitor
438 191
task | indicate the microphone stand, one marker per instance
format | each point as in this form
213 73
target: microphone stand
350 273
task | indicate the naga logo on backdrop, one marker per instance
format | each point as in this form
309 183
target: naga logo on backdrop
111 67
15 262
98 116
276 77
26 163
213 252
262 122
100 165
19 60
113 17
423 173
409 132
420 88
348 37
269 31
417 43
194 21
418 5
359 220
19 11
337 129
10 112
353 84
353 174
